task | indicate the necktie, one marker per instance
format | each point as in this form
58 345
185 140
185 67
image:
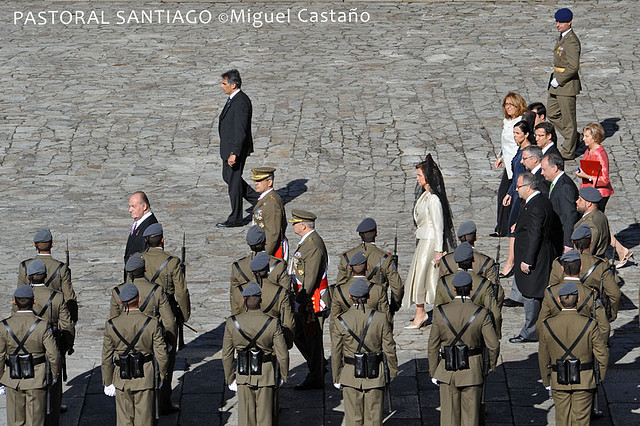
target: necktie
551 188
133 227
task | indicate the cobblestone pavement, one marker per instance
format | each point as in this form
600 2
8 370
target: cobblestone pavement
92 112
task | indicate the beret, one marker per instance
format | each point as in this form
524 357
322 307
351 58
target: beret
590 194
135 262
463 252
582 231
359 288
128 292
462 279
255 236
43 236
367 225
564 15
36 267
358 258
252 289
302 216
153 230
24 291
570 256
469 227
568 288
262 173
260 262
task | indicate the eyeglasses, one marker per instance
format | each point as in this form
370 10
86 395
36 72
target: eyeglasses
539 136
509 104
520 186
525 158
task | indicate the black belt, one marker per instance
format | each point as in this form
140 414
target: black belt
472 352
350 360
36 361
146 358
583 367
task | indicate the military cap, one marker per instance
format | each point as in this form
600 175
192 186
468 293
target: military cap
590 194
461 279
262 173
302 216
469 227
135 262
570 256
358 258
153 230
463 252
582 231
128 292
252 289
36 267
367 225
43 236
23 292
564 15
568 288
255 235
359 288
260 262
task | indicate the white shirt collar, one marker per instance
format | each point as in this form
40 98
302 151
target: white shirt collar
566 32
265 193
25 312
556 179
305 236
535 169
572 278
531 196
142 219
234 93
546 148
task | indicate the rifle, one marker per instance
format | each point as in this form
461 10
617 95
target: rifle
496 271
597 412
387 380
486 366
394 258
179 316
156 387
276 373
48 381
67 254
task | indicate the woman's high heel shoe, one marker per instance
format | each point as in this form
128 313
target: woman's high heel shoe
625 259
508 274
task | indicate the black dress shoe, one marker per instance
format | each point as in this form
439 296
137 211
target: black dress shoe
309 385
508 274
520 339
169 409
496 235
510 303
228 224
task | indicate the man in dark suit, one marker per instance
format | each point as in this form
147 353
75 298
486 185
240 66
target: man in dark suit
531 159
563 194
140 210
534 250
546 138
236 144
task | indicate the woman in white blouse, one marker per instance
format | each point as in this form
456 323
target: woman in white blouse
435 233
513 106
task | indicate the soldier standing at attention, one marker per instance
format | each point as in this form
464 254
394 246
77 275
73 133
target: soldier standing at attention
571 350
134 360
308 270
269 213
164 269
459 332
357 335
27 352
58 273
262 360
380 266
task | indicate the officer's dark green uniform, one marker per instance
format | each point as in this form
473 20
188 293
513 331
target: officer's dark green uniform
377 299
363 396
381 268
269 213
461 389
256 390
58 273
50 306
595 273
164 269
241 273
134 396
26 398
573 400
596 220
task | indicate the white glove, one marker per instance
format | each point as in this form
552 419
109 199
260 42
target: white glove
3 391
548 388
554 83
233 386
281 382
435 381
337 385
54 381
110 390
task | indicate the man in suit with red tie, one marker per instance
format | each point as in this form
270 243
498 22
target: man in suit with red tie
236 144
140 210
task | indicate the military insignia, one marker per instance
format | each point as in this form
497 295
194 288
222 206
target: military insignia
300 272
297 255
258 214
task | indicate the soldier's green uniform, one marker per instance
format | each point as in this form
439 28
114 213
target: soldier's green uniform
461 389
363 396
573 401
26 398
600 233
381 267
255 391
58 273
269 213
241 275
134 396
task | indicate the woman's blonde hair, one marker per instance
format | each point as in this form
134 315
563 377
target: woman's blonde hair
596 130
518 101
